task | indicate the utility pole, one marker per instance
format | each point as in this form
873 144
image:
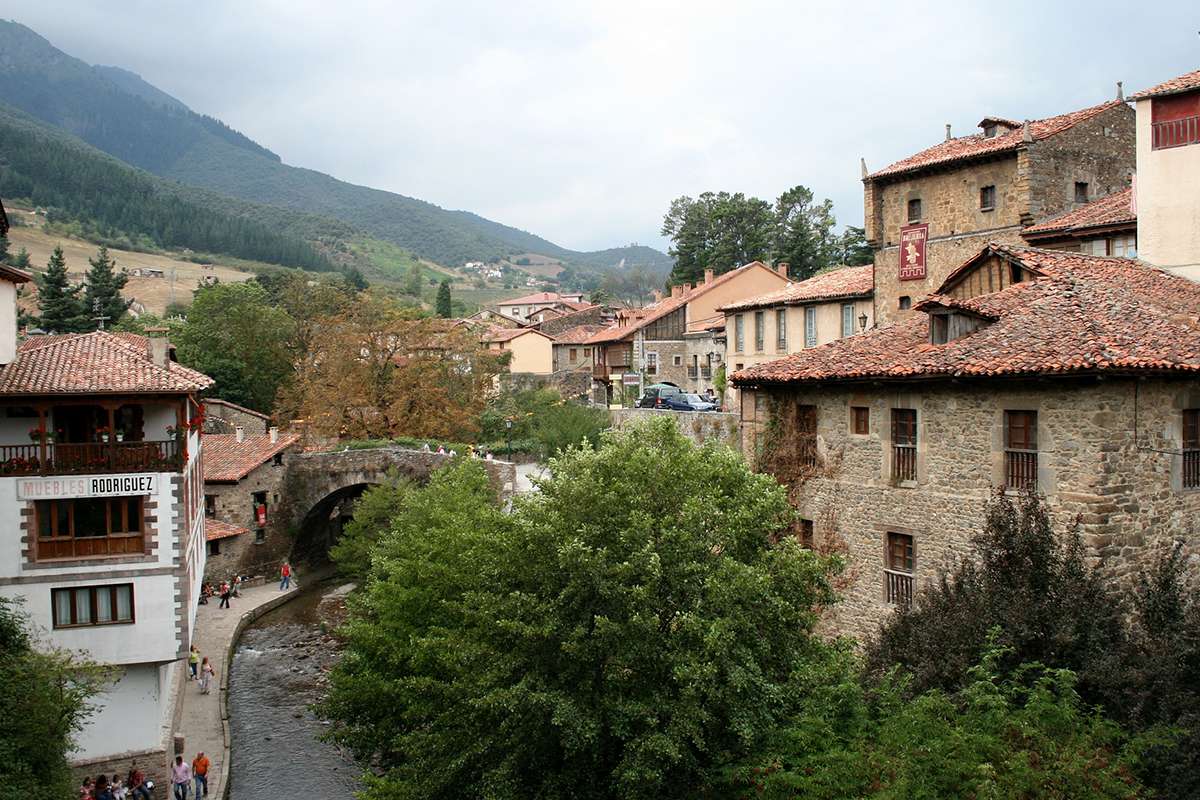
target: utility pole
100 318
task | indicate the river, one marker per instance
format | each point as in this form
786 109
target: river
278 672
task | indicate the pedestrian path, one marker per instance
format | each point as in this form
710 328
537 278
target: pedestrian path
203 720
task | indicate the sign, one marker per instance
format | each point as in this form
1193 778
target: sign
631 379
912 252
260 516
86 486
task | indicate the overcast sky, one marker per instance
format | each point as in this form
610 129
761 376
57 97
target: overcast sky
581 121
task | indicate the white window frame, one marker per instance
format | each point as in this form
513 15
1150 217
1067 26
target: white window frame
810 326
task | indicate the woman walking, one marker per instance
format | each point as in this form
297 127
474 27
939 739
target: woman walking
194 662
207 673
225 591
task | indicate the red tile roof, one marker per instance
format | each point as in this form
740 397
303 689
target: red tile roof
836 284
94 363
1081 314
1115 209
1184 83
215 529
538 297
508 334
12 273
976 145
226 460
577 335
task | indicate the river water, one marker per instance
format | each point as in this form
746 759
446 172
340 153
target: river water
278 672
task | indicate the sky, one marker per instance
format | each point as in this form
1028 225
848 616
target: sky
581 121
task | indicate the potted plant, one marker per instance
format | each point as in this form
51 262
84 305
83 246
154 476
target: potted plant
35 434
120 436
103 434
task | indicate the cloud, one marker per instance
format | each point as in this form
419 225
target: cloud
581 121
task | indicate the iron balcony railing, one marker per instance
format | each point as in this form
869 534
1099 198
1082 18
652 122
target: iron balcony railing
693 372
1175 133
90 457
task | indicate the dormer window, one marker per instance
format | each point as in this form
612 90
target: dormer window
946 325
989 130
939 328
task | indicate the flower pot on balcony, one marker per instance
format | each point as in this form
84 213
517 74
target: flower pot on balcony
120 436
104 438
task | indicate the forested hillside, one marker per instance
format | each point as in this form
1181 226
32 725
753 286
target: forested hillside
119 113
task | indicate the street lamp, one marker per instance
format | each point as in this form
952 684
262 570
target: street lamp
508 436
862 322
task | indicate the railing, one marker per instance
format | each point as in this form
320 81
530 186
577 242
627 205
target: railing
807 450
1191 469
899 587
904 462
693 372
600 371
1020 470
117 544
706 372
1175 133
90 457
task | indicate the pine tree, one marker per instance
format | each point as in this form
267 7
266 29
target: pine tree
21 259
443 300
412 282
59 302
102 297
3 249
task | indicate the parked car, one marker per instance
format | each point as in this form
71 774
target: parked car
656 394
689 402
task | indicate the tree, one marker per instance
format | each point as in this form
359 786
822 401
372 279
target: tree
61 308
355 280
102 295
4 254
803 233
444 308
235 336
373 515
852 248
21 259
413 281
719 230
45 697
625 632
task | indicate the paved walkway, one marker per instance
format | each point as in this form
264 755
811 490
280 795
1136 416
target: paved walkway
203 722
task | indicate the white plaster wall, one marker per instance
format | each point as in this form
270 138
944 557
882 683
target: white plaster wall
129 716
1168 202
8 321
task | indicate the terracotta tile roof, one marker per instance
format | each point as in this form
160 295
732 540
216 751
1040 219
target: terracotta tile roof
537 297
12 273
226 460
577 335
94 363
508 334
1081 314
976 145
1183 83
1115 209
215 529
835 284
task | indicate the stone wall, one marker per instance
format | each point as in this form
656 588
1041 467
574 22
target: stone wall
699 426
570 383
1124 488
221 416
589 316
248 553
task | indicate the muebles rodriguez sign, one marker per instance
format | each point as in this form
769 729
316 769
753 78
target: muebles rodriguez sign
86 486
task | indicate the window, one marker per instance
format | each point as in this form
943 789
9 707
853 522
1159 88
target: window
847 319
1020 450
214 547
760 324
89 527
573 354
587 352
1014 273
987 198
677 361
904 444
1191 448
1122 246
277 460
1081 192
914 210
93 605
651 363
805 534
806 434
898 574
860 420
739 333
939 328
989 131
810 326
260 536
905 302
781 330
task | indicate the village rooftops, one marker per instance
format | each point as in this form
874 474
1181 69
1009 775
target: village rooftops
1184 83
1113 211
508 334
539 297
577 335
844 283
1073 314
979 145
95 363
226 460
216 529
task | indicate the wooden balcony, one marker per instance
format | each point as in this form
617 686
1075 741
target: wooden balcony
899 587
90 458
601 372
904 462
1020 470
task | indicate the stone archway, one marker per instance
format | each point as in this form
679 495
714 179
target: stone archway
321 527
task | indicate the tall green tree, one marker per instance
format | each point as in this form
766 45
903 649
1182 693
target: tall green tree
414 280
625 632
716 230
59 302
803 234
852 247
102 295
234 335
445 309
21 259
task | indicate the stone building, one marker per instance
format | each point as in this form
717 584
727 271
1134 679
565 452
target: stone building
1071 375
222 416
571 351
243 476
925 214
1104 227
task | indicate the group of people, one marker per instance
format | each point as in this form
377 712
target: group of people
201 669
224 590
184 776
442 451
133 787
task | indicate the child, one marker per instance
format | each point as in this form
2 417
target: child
119 791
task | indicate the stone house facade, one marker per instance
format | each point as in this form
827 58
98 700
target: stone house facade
222 416
1078 380
960 194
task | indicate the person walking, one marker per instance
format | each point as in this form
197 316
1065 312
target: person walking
225 591
181 777
207 673
194 662
200 772
285 576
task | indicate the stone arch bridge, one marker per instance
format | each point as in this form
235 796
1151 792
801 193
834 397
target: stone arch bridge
316 487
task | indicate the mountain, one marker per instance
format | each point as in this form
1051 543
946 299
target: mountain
121 114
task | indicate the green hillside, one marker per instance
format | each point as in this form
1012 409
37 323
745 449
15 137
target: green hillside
119 113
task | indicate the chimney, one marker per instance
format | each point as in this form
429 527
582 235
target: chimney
1026 132
160 353
948 136
708 277
676 290
1120 90
862 162
239 433
782 268
274 432
658 295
